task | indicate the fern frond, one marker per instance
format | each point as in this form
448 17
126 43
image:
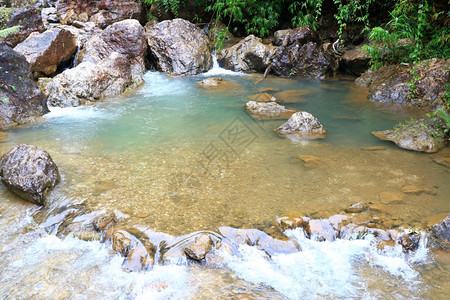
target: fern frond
9 31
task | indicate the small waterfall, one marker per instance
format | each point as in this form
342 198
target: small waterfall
217 70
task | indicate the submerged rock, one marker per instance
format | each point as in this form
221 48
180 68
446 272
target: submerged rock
89 82
292 96
262 97
198 249
417 136
357 207
302 126
29 172
48 51
249 55
310 161
268 110
439 234
21 100
126 37
178 47
422 85
217 83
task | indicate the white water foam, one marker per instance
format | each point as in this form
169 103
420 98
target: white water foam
80 112
216 70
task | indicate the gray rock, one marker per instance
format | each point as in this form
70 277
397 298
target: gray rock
89 82
178 47
439 234
249 55
126 37
29 172
302 126
48 51
21 100
417 136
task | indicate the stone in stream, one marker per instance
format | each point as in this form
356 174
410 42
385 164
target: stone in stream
249 55
198 249
415 190
270 110
262 97
439 234
89 82
391 197
410 241
357 207
217 83
29 172
178 47
291 96
302 126
418 136
292 220
310 161
48 51
21 100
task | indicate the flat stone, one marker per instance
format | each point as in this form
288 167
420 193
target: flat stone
442 160
357 207
269 90
262 97
310 161
415 190
292 96
391 197
268 110
374 148
142 214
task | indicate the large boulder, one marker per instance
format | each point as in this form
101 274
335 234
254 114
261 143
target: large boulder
21 100
301 53
29 19
103 13
178 47
418 135
89 82
249 55
439 234
126 37
354 61
302 126
422 85
29 172
48 51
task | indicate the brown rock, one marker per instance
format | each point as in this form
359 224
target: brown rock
262 97
442 160
138 259
292 220
412 189
357 207
269 90
310 161
410 241
354 61
198 249
374 148
48 51
217 83
269 110
292 96
391 197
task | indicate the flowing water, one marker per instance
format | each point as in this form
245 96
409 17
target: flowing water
178 157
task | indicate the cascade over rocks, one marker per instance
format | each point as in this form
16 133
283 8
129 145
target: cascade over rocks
126 37
30 21
302 126
103 13
178 47
249 55
392 84
89 82
21 100
417 136
48 51
29 172
301 53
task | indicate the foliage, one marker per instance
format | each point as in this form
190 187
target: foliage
4 33
172 6
306 12
412 34
352 11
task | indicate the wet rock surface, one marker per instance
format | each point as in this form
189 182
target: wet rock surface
392 84
89 82
417 136
354 61
249 55
302 54
126 37
48 51
29 20
29 172
303 126
21 100
198 249
439 234
178 47
270 110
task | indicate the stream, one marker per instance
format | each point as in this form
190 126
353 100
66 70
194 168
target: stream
176 157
